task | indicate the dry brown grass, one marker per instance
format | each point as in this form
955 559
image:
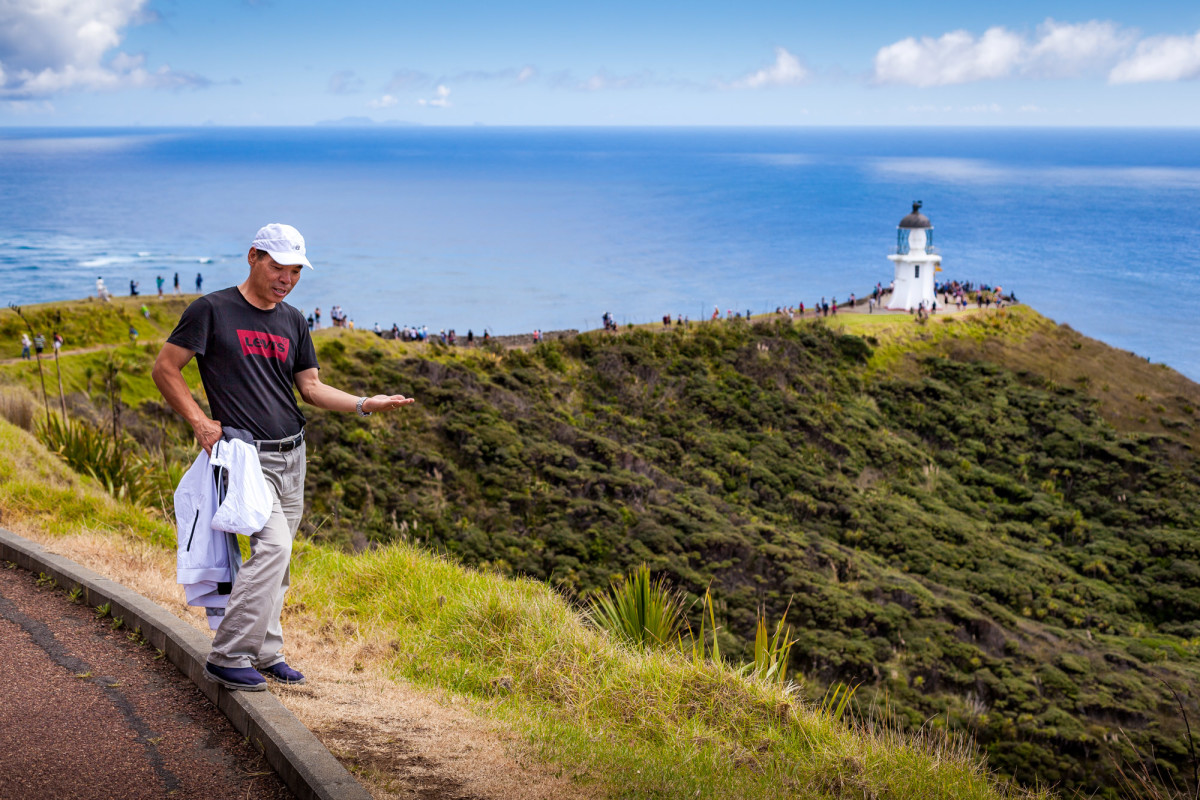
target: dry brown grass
19 406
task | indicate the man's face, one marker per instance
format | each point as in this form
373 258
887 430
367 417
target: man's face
270 282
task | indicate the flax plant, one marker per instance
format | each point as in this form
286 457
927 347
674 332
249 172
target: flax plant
112 462
772 651
639 610
837 700
700 648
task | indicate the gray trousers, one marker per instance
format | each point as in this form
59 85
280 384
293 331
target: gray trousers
251 634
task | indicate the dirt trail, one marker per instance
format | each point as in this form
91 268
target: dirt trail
49 357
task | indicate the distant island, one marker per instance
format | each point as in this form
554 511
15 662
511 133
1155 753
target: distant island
363 122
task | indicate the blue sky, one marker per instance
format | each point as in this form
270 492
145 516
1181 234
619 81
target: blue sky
855 62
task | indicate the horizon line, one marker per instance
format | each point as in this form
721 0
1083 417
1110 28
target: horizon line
401 124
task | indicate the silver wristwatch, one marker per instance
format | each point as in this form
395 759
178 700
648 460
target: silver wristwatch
358 408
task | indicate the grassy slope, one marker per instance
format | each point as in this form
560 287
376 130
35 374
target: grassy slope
88 322
643 725
979 542
1133 395
967 516
93 333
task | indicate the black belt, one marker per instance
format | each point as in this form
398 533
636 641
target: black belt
280 445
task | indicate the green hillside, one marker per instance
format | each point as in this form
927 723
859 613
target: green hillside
988 521
617 721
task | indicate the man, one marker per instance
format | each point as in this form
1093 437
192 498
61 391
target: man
252 348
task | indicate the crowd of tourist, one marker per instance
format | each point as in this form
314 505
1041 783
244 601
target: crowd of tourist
103 293
958 294
38 344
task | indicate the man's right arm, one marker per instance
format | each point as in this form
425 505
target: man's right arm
168 377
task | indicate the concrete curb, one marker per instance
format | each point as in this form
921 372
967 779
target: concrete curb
308 769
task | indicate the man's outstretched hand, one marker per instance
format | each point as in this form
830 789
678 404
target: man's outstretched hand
384 402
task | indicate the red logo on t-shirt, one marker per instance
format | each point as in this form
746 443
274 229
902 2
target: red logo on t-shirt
257 343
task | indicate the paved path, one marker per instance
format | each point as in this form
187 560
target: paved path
87 713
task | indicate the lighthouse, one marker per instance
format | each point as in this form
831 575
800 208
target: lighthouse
916 261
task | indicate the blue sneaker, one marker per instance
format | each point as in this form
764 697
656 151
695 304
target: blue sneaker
242 679
282 673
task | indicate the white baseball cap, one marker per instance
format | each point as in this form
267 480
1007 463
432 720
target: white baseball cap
282 243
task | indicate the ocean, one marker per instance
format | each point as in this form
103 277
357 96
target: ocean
511 229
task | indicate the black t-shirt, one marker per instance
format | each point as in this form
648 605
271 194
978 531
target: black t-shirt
247 359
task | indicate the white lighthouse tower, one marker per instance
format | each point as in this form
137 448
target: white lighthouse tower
916 261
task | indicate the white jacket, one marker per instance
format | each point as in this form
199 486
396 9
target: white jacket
246 506
207 556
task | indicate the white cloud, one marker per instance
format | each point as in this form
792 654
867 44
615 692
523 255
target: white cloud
1057 50
786 71
345 82
52 46
600 81
30 107
441 101
404 79
1161 58
1064 50
387 101
955 57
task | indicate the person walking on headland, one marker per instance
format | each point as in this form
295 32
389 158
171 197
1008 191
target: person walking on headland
25 345
253 350
199 282
159 280
176 283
